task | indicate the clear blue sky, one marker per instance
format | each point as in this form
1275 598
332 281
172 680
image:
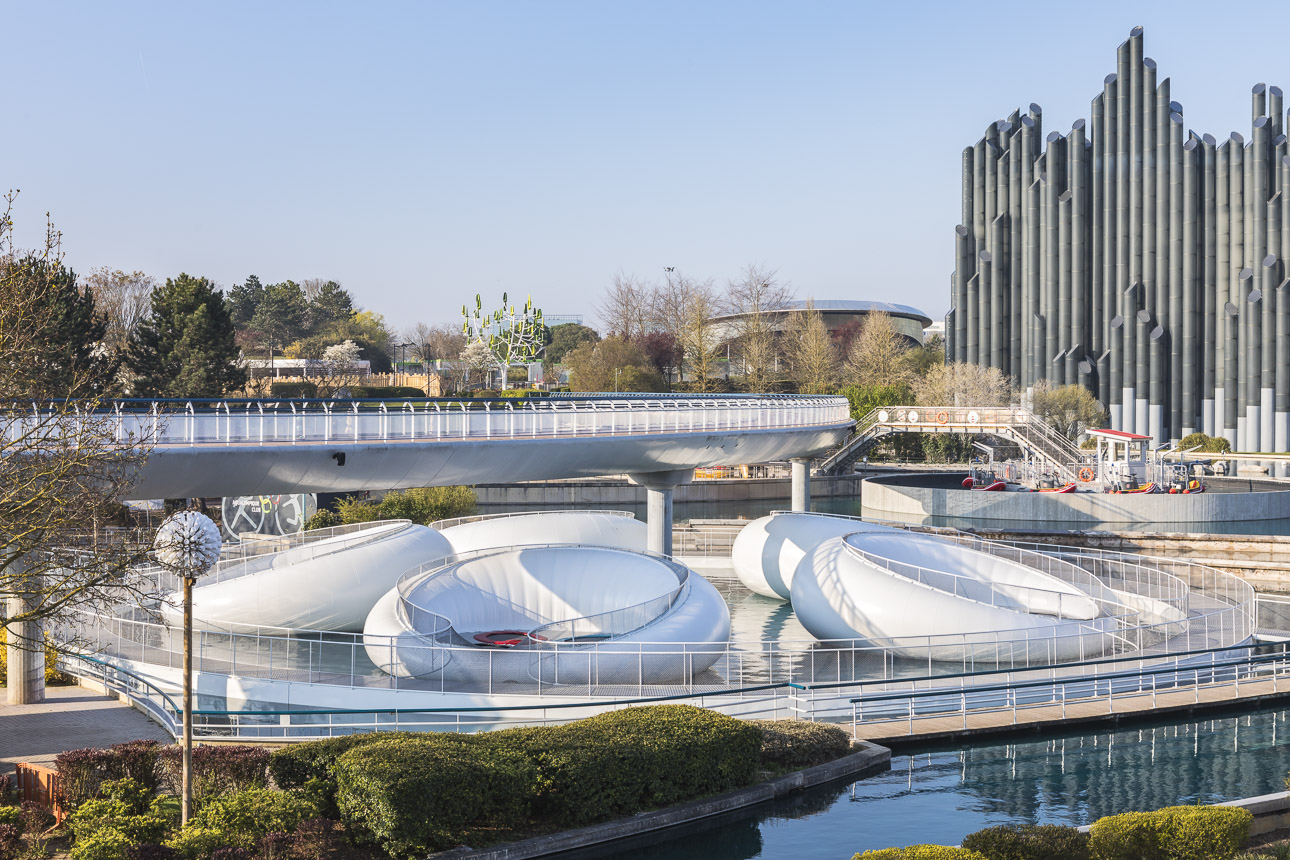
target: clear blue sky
423 152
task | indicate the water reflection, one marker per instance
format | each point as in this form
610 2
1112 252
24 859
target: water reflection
940 795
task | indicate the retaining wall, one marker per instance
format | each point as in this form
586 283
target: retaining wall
940 495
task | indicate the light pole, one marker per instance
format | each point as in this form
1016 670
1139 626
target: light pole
188 544
617 370
403 356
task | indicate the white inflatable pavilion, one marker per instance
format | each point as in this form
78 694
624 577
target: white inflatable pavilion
560 614
766 552
928 598
596 528
325 580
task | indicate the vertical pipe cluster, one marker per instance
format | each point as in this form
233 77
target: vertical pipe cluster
1134 257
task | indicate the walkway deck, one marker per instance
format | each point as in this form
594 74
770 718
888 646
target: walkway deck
70 718
1031 719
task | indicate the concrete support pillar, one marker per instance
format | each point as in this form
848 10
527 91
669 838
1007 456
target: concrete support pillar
658 505
26 657
801 484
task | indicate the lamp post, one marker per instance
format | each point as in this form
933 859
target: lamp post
403 357
188 544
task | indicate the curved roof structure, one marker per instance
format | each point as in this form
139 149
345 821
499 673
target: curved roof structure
849 306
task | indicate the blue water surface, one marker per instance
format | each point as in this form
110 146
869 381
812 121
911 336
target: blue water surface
940 796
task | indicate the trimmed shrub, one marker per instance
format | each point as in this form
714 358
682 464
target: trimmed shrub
80 773
196 843
921 852
793 744
11 815
416 795
129 793
274 846
136 760
1173 833
1207 444
36 818
385 392
314 839
10 841
1029 842
6 790
621 762
152 851
245 817
217 770
106 844
95 816
294 390
1202 832
323 519
310 765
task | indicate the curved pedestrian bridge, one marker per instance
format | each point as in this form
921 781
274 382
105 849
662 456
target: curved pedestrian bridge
241 447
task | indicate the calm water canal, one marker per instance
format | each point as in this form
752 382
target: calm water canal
941 795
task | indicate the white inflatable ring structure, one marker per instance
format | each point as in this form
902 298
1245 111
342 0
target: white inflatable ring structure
599 528
593 615
327 579
921 595
766 552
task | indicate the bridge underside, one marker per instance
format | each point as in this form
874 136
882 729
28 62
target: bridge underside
180 471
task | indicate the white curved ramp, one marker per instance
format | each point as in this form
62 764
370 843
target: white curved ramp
330 583
767 551
921 596
619 529
571 614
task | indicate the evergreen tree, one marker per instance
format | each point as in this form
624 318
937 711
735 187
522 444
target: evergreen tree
332 304
66 355
185 348
243 300
282 315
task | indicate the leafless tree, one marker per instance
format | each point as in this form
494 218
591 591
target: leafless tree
435 342
877 355
124 298
62 470
812 357
963 384
627 307
685 308
755 297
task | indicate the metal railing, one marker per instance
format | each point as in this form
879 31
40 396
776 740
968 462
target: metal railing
1028 430
274 422
479 518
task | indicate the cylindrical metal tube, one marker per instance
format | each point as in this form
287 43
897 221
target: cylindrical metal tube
1191 169
1159 409
1174 326
1110 300
998 276
1079 304
1207 299
1052 248
1034 355
1258 101
1125 350
962 273
1096 328
1260 150
1012 291
1276 111
1222 289
1064 322
1147 274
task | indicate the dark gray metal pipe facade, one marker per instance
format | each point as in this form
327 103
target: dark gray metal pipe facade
1179 240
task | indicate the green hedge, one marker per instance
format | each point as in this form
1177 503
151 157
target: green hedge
312 764
384 392
622 762
921 852
1173 833
416 795
293 390
794 744
1029 842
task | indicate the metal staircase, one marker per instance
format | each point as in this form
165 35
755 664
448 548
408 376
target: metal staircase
1031 433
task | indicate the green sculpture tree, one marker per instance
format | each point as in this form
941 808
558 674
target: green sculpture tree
512 337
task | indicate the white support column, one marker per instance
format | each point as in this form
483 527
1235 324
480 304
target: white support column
801 484
26 657
658 510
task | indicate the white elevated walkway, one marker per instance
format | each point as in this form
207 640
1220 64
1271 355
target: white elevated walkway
249 447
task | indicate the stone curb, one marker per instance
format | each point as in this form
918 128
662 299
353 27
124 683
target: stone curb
867 759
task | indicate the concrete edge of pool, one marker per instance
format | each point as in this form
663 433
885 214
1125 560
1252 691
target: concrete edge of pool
867 759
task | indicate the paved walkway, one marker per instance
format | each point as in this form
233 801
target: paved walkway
69 718
1261 690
